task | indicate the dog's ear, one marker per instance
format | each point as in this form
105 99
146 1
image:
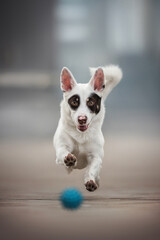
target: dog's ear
105 79
67 80
97 80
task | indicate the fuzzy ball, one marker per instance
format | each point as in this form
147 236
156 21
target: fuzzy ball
71 198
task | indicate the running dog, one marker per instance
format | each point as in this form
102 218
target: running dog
78 139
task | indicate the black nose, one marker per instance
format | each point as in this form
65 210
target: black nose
82 120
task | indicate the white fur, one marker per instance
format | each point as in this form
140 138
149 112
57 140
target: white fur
86 146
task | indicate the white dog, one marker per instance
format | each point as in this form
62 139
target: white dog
78 139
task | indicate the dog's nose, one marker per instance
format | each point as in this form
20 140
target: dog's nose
82 119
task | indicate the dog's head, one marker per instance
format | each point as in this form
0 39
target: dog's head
84 100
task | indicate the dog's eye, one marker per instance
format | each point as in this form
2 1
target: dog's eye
90 102
74 103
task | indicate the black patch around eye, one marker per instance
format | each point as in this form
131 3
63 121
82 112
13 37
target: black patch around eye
74 101
94 103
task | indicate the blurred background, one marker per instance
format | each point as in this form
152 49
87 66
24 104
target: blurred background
38 38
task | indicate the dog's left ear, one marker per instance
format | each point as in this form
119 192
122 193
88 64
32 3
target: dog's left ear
104 79
67 80
97 80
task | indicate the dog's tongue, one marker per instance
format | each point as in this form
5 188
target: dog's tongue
82 128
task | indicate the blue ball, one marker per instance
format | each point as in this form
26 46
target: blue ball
71 198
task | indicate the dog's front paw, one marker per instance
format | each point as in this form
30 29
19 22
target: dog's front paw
91 186
70 160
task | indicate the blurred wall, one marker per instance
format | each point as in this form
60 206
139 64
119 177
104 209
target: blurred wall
47 35
26 41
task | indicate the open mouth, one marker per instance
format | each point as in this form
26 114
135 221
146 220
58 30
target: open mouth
83 128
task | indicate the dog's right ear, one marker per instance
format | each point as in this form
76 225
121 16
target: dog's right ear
67 80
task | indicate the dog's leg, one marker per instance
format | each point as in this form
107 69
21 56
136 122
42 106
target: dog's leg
65 157
64 146
92 173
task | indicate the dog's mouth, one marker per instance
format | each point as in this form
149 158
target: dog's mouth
83 128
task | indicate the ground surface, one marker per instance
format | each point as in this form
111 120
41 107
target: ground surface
126 206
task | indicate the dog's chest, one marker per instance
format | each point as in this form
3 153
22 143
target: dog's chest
83 148
79 148
81 154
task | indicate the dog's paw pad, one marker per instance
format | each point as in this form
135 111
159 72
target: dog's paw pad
91 186
70 160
